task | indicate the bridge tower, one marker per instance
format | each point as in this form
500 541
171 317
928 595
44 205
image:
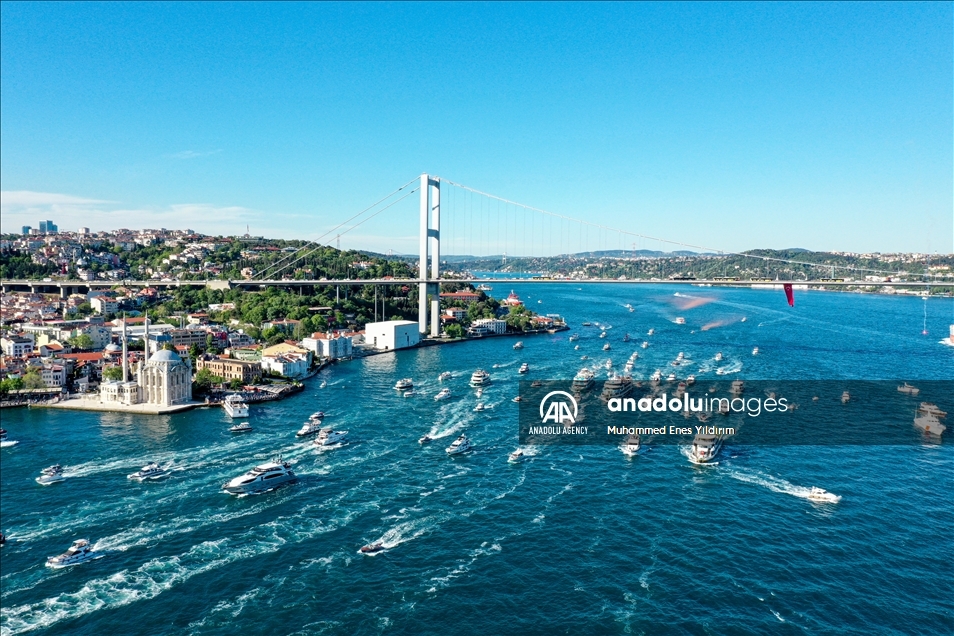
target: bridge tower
429 289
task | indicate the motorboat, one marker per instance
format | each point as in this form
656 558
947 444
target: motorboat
317 415
311 427
443 394
4 442
744 319
929 408
536 384
480 407
606 347
79 552
656 376
702 416
149 471
524 368
690 380
516 456
584 357
680 356
671 377
617 386
608 364
602 334
680 320
446 375
907 388
845 397
518 399
241 427
262 478
51 475
822 495
235 406
705 448
645 345
724 408
425 439
930 424
738 386
372 548
518 345
650 332
410 393
484 287
631 310
404 384
479 378
576 348
574 337
718 356
460 445
479 392
329 437
628 368
631 446
755 351
587 324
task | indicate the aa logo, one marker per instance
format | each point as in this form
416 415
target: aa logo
557 410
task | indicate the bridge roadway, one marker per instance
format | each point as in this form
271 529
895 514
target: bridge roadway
67 287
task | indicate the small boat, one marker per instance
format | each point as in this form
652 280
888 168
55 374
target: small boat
587 324
744 318
79 552
755 351
479 392
480 407
317 415
235 406
241 427
602 334
690 380
536 384
680 320
484 287
718 356
4 442
650 332
631 310
518 399
459 445
845 397
609 364
524 368
410 393
656 376
372 548
907 388
515 456
576 348
584 357
645 345
51 475
262 478
446 375
574 337
723 408
626 337
738 386
149 471
323 384
443 394
606 347
820 494
518 345
311 427
329 437
425 439
631 447
404 384
671 377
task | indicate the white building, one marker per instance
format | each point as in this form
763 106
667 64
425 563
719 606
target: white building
17 345
104 305
329 345
490 325
54 376
392 334
290 365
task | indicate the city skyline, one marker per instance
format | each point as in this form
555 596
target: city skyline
823 127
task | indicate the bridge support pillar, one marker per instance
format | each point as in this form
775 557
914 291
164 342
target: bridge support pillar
430 234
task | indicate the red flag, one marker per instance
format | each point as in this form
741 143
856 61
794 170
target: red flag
789 294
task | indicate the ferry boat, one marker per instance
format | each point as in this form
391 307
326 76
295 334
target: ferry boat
404 384
518 345
235 406
311 427
262 478
329 437
574 337
582 381
443 394
479 378
51 475
524 368
446 375
680 320
907 388
820 494
459 445
616 387
79 552
149 471
241 427
606 347
631 446
705 448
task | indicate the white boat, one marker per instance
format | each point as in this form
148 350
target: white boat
631 447
650 332
930 424
79 552
484 287
459 445
609 364
311 427
680 320
443 394
656 376
149 471
617 386
690 380
516 456
479 392
628 368
51 475
518 399
907 388
705 448
408 394
631 310
479 378
718 356
738 386
680 356
241 427
845 397
317 415
404 384
602 334
755 351
584 357
524 368
645 345
929 408
425 439
574 337
262 478
446 375
329 437
518 345
480 407
820 494
671 377
235 406
576 348
4 442
606 347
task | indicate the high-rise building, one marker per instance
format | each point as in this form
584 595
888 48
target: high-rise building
43 227
26 229
84 230
51 227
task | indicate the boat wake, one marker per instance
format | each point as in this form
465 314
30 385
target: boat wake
775 484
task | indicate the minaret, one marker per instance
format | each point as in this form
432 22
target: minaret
145 340
125 353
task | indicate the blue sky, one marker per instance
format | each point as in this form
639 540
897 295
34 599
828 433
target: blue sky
734 126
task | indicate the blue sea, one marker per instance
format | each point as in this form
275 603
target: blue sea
570 541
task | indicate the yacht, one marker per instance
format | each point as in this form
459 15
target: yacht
650 332
4 442
518 345
404 384
241 427
929 408
425 439
51 475
235 406
311 427
149 471
606 347
680 320
602 334
479 378
930 424
317 415
446 375
738 386
705 448
582 381
631 446
755 351
262 478
515 456
329 437
616 387
574 337
718 356
845 397
524 368
443 394
645 345
459 445
79 552
907 388
820 494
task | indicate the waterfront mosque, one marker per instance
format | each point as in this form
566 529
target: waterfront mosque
164 380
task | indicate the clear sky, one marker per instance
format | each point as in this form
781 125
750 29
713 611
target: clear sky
736 126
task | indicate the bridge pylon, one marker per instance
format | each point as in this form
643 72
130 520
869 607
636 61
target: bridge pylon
429 300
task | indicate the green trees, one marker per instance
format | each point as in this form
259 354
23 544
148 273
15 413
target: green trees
454 331
204 379
82 342
113 373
